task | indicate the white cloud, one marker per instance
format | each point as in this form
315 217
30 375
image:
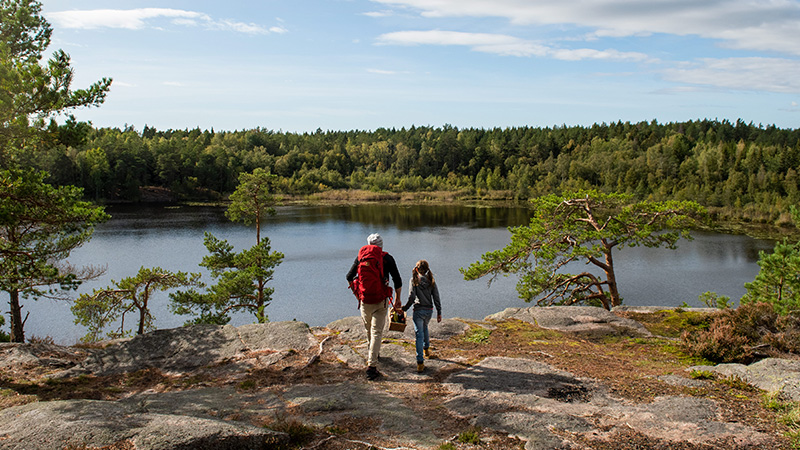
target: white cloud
482 42
752 74
137 19
588 53
378 14
382 72
501 44
132 19
772 25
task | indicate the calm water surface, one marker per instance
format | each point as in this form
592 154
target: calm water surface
321 242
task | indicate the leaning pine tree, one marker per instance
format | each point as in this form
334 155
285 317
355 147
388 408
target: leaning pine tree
583 227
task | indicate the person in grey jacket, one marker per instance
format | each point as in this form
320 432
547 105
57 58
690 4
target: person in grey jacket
424 296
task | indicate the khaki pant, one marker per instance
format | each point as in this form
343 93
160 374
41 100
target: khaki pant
374 319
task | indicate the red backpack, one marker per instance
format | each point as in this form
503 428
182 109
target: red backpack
369 285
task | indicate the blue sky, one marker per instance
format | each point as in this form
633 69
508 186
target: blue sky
300 65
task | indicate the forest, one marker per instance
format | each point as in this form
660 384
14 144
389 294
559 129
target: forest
740 171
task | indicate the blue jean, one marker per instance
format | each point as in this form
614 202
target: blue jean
421 318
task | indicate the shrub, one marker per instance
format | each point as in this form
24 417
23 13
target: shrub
787 338
789 414
713 300
4 337
734 335
478 335
719 343
702 375
41 340
471 436
299 433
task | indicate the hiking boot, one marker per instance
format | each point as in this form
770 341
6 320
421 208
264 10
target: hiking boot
420 367
372 373
428 354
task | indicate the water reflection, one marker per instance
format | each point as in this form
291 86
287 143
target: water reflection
411 217
320 243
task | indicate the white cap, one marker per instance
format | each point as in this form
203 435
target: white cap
375 239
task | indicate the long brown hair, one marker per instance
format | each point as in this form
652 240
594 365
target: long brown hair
421 270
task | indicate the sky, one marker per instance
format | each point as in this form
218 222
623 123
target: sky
303 65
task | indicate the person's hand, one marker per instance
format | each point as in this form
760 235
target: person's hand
439 318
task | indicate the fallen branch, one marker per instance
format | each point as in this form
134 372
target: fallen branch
316 357
353 441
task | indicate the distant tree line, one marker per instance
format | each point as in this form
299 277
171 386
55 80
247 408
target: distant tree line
744 170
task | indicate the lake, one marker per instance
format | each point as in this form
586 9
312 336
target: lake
321 242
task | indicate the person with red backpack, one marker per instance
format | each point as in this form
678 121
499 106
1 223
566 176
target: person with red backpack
369 279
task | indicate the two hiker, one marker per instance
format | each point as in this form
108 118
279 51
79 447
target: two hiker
369 279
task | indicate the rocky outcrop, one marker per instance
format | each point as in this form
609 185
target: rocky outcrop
530 399
518 396
586 321
189 348
772 375
101 424
351 328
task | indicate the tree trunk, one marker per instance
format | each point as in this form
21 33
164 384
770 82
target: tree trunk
141 321
611 278
143 308
260 315
17 333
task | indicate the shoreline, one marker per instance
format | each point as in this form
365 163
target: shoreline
494 199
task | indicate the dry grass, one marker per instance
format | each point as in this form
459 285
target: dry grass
629 367
357 196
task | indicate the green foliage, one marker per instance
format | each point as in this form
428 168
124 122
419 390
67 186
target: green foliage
32 92
713 300
672 323
736 382
131 295
702 375
778 279
253 200
4 337
477 335
40 225
471 436
241 282
788 414
743 171
241 278
583 226
447 446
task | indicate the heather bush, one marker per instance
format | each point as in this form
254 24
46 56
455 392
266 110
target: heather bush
752 331
788 338
720 343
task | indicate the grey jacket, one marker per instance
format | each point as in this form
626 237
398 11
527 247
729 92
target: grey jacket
423 295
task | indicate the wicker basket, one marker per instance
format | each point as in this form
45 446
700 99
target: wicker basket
397 321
